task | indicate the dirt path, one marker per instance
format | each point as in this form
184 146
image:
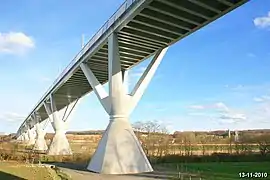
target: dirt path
79 172
83 175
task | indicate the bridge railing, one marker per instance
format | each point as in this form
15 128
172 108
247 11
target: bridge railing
123 8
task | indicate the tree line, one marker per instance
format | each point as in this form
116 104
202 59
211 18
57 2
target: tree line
157 141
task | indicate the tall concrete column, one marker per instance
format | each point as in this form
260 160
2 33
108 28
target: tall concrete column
59 145
126 81
25 137
31 137
119 151
40 143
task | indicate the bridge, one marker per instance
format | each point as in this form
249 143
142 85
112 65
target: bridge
138 30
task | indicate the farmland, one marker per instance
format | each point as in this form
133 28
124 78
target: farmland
206 155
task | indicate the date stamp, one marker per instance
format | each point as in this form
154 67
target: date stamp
253 174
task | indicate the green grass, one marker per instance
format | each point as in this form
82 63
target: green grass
21 171
221 171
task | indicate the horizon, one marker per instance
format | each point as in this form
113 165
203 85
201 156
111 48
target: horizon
6 133
217 76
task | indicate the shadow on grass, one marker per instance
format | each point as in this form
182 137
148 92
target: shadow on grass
7 176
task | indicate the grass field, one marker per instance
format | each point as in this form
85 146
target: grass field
221 171
21 171
82 152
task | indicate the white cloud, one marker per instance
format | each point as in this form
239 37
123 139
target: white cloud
11 117
15 43
233 116
133 77
261 99
222 113
229 115
138 73
168 125
262 22
230 118
197 107
255 112
218 106
260 113
266 97
257 99
221 106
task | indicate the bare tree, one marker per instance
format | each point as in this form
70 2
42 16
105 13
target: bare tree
189 140
179 140
164 145
264 143
153 137
138 128
202 139
230 140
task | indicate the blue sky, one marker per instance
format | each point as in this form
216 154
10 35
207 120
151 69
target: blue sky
217 78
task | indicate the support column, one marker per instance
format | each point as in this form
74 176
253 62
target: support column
126 81
25 137
119 151
40 144
31 137
59 145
